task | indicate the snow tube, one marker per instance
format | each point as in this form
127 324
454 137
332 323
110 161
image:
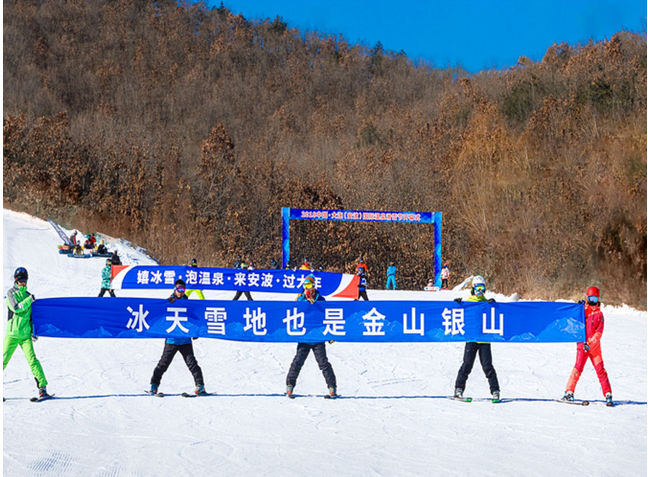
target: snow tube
73 255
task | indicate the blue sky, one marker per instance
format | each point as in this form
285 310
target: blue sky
475 34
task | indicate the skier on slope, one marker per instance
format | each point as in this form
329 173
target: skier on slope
182 345
20 329
106 278
445 276
391 276
199 293
311 294
362 286
591 349
484 349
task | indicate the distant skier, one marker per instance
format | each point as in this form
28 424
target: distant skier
101 248
445 276
484 349
306 265
241 265
362 286
115 258
311 294
199 293
20 329
106 279
362 265
391 276
591 349
73 238
182 345
273 264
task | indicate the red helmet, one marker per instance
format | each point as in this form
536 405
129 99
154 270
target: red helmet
593 291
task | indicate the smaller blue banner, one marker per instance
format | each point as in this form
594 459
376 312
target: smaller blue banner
302 322
155 277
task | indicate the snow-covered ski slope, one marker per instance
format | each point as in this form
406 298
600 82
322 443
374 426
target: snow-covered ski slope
394 420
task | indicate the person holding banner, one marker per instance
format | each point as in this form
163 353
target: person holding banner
175 345
484 349
311 294
199 293
591 349
20 330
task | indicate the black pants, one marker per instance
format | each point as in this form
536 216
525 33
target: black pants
319 350
444 283
239 293
362 294
104 290
186 350
486 359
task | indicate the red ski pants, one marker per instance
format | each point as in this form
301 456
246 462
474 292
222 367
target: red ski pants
595 355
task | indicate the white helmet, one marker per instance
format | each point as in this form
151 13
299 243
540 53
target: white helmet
478 280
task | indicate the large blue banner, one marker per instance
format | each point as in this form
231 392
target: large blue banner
302 322
277 281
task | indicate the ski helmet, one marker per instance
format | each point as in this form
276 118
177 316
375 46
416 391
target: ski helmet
478 280
21 275
108 261
194 262
180 282
593 295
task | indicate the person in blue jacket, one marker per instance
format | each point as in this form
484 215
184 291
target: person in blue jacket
182 345
311 294
391 276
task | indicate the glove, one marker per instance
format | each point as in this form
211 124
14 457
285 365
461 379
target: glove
491 300
582 302
586 347
34 338
458 300
331 341
194 338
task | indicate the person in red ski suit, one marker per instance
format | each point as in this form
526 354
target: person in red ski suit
591 349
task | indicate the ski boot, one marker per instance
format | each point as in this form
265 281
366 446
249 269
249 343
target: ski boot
332 394
569 396
154 389
608 399
42 393
458 393
496 396
289 391
200 390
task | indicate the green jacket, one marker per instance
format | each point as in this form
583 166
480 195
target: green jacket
477 298
19 302
106 277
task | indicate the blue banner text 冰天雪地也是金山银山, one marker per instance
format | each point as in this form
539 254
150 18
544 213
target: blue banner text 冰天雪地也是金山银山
279 321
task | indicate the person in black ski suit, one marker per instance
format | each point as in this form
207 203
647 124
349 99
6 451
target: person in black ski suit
311 295
115 259
362 286
182 345
241 265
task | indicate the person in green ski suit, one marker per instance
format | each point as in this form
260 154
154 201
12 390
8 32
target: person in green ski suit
20 329
106 278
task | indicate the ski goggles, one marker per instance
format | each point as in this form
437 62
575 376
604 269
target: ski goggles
308 285
180 289
592 299
480 288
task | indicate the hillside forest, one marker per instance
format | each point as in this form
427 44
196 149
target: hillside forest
185 128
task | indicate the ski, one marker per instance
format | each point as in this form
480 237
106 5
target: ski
609 404
44 398
154 394
328 396
496 401
578 403
465 399
187 395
